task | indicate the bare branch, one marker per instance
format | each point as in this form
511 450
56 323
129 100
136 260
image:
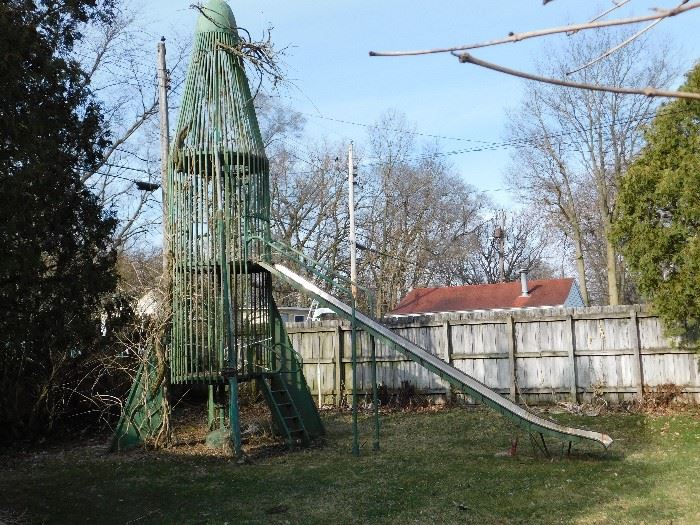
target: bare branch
261 55
615 48
620 45
647 91
517 37
616 5
144 117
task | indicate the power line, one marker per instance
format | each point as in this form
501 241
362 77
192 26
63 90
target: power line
527 142
490 146
397 130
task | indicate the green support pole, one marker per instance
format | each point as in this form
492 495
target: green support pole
233 415
210 408
375 396
353 346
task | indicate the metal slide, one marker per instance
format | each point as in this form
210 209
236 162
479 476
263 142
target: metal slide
461 381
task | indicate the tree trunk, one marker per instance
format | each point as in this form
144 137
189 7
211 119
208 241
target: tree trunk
610 255
613 293
581 268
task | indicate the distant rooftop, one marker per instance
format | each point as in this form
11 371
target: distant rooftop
542 293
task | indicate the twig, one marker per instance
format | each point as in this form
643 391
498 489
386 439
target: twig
517 37
261 55
615 48
620 45
616 5
647 91
142 119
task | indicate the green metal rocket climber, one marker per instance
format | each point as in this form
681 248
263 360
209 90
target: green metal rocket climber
226 328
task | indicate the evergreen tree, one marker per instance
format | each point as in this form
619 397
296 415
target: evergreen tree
56 264
658 223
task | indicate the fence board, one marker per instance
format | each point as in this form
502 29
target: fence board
543 354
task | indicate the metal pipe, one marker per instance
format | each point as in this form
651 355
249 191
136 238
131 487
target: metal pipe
353 347
353 289
523 283
375 394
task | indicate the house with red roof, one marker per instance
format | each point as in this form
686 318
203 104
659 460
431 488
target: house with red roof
538 293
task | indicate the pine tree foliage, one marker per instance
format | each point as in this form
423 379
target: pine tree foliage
56 265
658 222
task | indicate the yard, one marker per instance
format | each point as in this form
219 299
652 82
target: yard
444 466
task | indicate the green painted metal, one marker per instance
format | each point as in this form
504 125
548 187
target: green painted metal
216 16
375 393
286 417
218 204
353 359
211 409
143 412
290 368
226 328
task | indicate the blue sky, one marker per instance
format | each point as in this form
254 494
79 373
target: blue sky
334 77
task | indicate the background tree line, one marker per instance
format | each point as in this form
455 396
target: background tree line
418 223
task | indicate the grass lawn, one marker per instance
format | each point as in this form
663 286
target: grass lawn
433 467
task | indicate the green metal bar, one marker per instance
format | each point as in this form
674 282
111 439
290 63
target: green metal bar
210 407
353 346
375 396
233 418
319 270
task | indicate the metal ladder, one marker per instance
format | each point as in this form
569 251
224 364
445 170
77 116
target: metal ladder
284 412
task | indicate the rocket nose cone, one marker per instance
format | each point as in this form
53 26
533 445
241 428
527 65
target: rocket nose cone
216 15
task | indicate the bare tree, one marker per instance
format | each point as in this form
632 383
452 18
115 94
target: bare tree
308 189
120 59
573 146
476 258
412 207
309 202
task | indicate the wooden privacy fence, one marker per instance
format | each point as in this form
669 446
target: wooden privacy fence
534 355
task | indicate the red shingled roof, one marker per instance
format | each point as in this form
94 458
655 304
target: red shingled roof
545 292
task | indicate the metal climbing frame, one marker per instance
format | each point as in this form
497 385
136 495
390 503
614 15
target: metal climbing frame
226 327
218 213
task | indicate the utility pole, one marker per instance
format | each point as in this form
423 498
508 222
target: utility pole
499 234
167 256
164 145
353 290
353 239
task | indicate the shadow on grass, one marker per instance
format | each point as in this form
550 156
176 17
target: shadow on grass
440 467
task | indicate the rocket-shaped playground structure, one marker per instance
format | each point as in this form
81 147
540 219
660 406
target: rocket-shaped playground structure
225 326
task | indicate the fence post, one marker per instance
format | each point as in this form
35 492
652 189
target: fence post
447 338
571 348
510 328
338 379
637 349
